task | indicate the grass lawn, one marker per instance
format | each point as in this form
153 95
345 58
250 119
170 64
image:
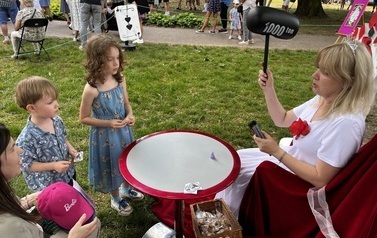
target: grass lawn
201 88
211 89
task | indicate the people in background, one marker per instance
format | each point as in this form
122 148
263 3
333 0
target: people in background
213 9
90 13
8 10
167 7
27 11
46 11
74 8
224 15
285 5
235 21
143 10
247 35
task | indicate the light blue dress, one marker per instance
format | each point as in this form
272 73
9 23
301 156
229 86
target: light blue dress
235 23
105 143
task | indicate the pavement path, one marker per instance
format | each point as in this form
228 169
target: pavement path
183 36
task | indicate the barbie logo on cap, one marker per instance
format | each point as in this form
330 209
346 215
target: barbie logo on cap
64 205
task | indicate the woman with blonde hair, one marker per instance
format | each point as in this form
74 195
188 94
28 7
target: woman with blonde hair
328 129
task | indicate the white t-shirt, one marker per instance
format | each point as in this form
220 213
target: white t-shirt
333 140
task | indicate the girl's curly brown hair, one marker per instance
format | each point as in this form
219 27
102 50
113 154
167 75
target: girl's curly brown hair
96 56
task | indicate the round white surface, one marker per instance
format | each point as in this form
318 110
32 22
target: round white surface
169 161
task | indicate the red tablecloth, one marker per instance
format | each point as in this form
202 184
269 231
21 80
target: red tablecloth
164 209
275 203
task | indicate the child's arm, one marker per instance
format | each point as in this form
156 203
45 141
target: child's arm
58 166
72 151
31 163
88 96
130 119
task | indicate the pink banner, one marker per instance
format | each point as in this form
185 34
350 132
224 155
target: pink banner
353 17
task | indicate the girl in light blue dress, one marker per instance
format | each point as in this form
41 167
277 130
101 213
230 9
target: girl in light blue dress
106 109
235 20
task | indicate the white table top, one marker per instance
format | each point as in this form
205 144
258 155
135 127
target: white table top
162 163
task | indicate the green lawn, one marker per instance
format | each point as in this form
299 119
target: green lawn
211 89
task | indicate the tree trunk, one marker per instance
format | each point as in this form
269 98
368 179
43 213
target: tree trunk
310 8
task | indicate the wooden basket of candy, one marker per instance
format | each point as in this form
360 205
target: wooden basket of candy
215 220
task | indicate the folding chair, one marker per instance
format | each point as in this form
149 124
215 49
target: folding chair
33 31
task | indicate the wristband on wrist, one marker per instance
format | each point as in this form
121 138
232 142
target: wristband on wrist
282 156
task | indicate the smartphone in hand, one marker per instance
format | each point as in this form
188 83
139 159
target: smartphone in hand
253 125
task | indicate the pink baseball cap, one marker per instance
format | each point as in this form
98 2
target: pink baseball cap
63 204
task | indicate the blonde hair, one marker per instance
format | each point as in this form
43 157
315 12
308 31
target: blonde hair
350 63
34 88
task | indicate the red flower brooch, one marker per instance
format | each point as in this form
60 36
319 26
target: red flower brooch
299 128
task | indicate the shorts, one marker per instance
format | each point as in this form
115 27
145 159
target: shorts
44 3
8 12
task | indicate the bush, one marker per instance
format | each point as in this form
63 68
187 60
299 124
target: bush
185 20
55 11
188 20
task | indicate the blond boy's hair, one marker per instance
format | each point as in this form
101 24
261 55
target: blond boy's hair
34 88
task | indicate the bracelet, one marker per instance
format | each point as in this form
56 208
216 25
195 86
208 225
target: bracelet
282 156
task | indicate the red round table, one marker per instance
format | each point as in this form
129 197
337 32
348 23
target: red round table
162 163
